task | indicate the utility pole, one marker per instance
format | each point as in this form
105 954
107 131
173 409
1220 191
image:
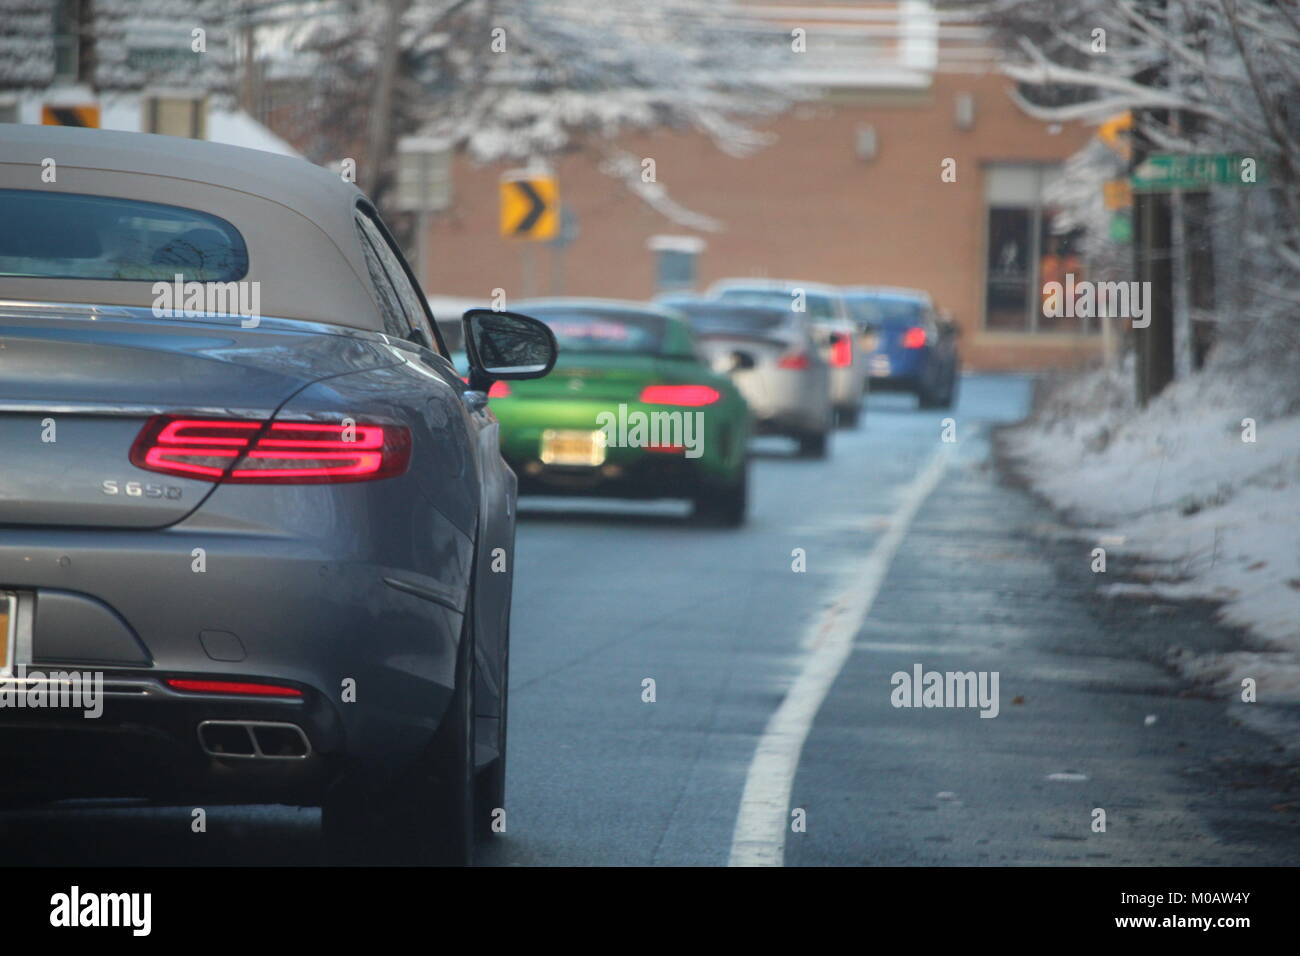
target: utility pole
1178 206
1152 247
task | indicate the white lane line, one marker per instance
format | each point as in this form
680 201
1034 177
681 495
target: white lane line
761 826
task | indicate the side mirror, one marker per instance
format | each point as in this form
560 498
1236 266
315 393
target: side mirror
506 345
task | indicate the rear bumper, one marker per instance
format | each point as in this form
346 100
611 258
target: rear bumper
145 743
709 448
375 663
895 383
647 476
790 424
786 401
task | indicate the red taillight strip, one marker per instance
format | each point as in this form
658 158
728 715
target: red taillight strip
246 688
914 338
363 436
691 395
171 433
206 449
155 459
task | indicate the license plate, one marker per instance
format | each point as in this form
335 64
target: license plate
8 622
878 365
565 447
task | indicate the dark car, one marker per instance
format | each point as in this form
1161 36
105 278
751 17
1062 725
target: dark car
244 491
915 347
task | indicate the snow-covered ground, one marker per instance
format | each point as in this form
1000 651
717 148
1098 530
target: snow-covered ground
1206 513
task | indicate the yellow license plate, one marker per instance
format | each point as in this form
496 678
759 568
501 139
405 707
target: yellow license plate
570 447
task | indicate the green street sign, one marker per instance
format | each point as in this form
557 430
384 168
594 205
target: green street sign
1160 172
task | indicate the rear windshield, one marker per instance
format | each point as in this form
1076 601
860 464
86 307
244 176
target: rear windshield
818 305
885 311
604 331
715 319
49 235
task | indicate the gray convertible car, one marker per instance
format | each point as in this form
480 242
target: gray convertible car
256 536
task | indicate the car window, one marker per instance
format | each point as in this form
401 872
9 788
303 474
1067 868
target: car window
864 311
49 235
595 330
411 300
716 318
819 306
390 304
891 312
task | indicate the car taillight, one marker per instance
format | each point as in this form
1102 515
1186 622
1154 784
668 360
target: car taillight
842 352
260 452
914 338
794 360
232 687
679 395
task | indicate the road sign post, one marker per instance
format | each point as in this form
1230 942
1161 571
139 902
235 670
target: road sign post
567 233
423 187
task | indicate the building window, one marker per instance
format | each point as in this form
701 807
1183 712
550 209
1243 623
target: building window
675 261
1024 250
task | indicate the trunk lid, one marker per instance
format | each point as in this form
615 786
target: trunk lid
590 376
76 389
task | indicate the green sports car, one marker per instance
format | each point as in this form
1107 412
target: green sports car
631 411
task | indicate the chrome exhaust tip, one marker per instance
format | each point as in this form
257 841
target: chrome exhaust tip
253 740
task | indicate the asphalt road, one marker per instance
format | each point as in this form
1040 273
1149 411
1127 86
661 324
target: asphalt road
972 576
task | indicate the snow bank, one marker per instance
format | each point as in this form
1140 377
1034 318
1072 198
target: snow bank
1207 514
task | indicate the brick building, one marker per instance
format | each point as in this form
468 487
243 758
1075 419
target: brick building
849 191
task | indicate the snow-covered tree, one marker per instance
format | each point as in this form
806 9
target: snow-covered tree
526 79
26 43
1209 76
132 44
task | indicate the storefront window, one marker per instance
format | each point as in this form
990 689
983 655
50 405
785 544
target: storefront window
1024 250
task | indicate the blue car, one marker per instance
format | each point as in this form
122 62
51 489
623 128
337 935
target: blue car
915 348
